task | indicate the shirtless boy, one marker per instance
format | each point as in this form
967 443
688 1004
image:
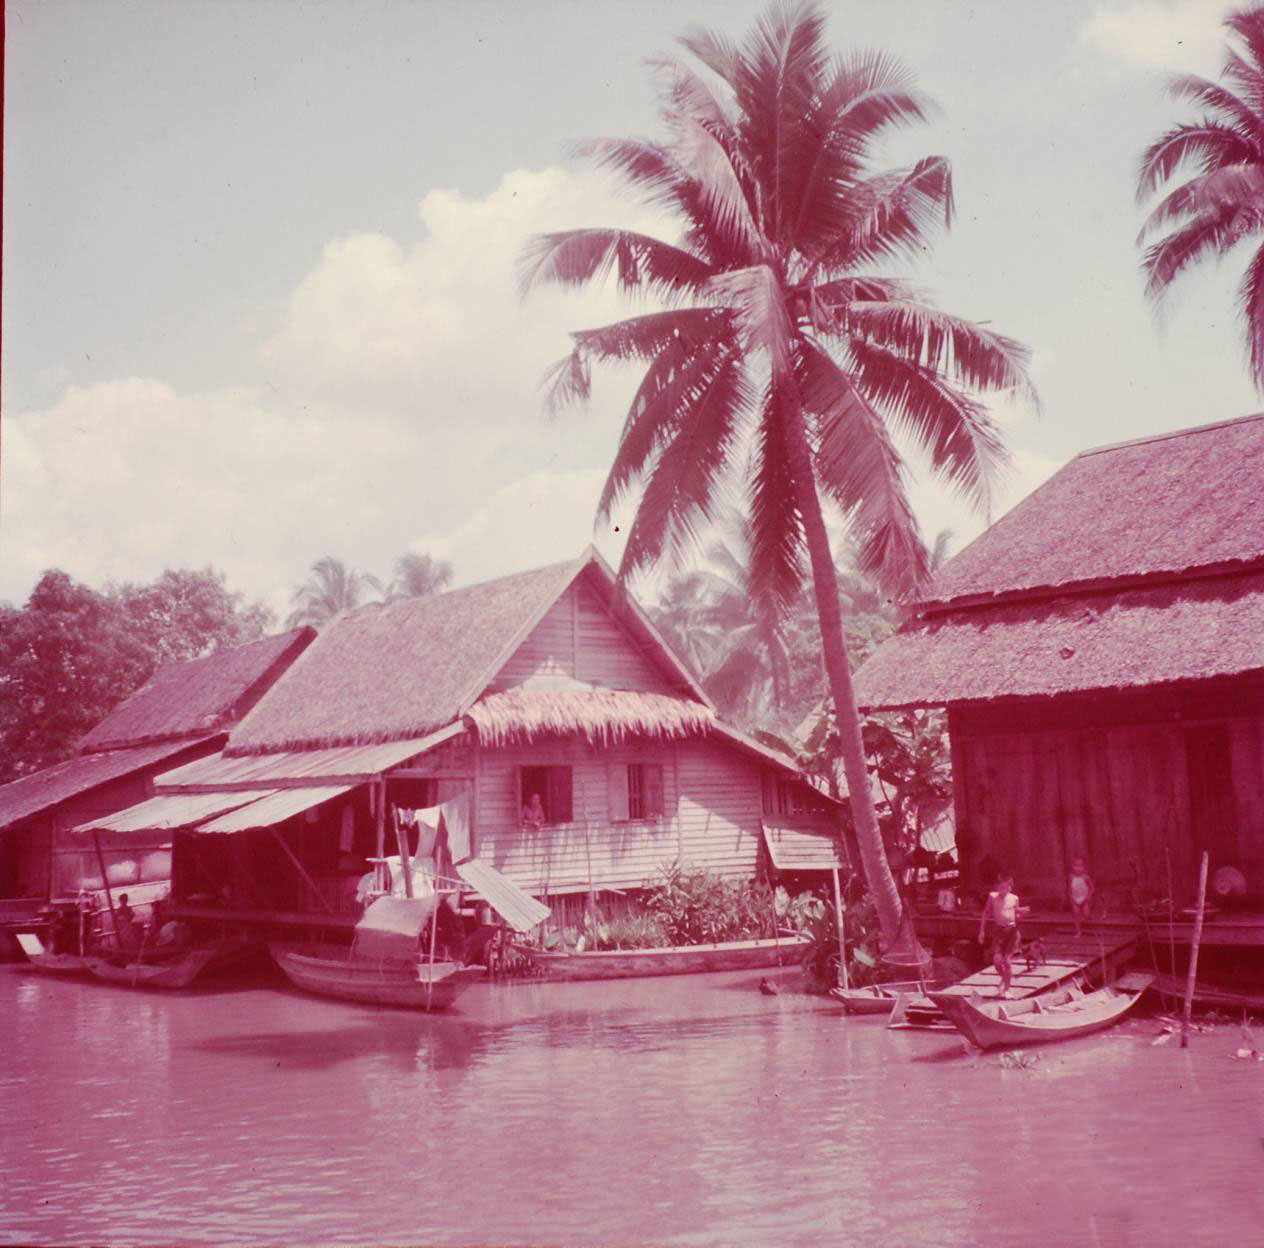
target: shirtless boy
999 922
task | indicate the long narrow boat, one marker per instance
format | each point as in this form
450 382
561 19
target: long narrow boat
337 971
1060 1015
877 998
170 972
737 955
49 963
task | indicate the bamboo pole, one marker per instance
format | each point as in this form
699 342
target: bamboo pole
1171 911
302 870
1193 951
434 933
842 943
377 796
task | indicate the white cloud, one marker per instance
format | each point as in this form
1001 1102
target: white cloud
1183 36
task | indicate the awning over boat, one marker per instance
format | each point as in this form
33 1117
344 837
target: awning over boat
803 844
391 925
347 764
519 909
170 811
279 805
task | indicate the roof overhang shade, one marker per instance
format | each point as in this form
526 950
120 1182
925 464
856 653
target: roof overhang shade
348 764
802 845
278 806
519 909
168 812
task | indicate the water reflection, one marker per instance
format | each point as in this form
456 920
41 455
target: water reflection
678 1111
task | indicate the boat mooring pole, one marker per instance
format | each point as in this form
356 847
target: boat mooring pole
842 943
105 882
1193 951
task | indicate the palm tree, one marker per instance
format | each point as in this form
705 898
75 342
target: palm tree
776 340
331 587
1223 202
418 576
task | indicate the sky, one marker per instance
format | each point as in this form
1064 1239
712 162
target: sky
259 296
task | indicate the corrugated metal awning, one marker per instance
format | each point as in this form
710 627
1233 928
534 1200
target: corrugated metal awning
802 845
275 808
519 909
347 764
171 811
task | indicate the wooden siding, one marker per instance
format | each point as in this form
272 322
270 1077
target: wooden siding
579 640
1125 797
711 802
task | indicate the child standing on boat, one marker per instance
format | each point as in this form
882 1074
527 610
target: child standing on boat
999 923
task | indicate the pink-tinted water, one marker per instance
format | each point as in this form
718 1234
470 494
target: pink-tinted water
689 1110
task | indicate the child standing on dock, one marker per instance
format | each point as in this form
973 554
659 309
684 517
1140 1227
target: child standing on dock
999 923
1080 891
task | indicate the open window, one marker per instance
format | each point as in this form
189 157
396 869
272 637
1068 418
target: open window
636 791
553 785
784 795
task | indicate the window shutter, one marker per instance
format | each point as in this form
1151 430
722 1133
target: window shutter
518 801
652 790
618 779
560 808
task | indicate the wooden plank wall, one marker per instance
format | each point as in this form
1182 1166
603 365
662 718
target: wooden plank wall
712 816
579 639
1119 796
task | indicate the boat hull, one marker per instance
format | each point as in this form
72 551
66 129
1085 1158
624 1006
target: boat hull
740 955
875 999
1041 1020
331 971
178 972
47 963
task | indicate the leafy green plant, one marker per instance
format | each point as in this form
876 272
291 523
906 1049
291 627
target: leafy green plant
698 907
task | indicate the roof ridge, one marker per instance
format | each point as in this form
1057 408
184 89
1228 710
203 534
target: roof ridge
1171 433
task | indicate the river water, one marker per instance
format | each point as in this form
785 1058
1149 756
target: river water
685 1110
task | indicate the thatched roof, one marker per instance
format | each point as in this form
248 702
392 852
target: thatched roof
1156 507
384 673
601 716
201 696
42 790
1191 630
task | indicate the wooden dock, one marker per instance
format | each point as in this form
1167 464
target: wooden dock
1065 957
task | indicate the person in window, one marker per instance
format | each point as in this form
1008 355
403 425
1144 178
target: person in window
533 816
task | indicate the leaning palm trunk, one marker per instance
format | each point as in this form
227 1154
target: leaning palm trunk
873 856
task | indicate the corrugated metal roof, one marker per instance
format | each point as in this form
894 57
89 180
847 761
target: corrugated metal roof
273 809
802 844
168 812
29 795
352 763
519 909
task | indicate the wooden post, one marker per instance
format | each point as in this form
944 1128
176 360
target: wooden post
302 870
377 796
105 880
842 943
405 859
1193 951
434 932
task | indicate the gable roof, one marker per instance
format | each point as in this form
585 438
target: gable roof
384 673
41 790
1163 506
201 696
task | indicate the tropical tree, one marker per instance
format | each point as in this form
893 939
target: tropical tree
777 343
331 587
1222 203
418 576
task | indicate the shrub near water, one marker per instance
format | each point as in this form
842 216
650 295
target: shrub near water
701 908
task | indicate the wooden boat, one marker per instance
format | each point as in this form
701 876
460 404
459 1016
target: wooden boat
171 971
877 998
1059 1015
337 971
737 955
42 959
1060 960
1210 994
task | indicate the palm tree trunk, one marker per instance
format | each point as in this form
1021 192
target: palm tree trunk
873 856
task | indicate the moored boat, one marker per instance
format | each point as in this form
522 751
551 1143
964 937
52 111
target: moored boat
337 971
44 960
876 998
171 971
1059 1015
737 955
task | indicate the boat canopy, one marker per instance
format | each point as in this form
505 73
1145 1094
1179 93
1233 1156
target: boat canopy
391 925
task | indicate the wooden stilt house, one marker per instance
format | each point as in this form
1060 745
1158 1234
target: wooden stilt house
1100 651
548 689
182 713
